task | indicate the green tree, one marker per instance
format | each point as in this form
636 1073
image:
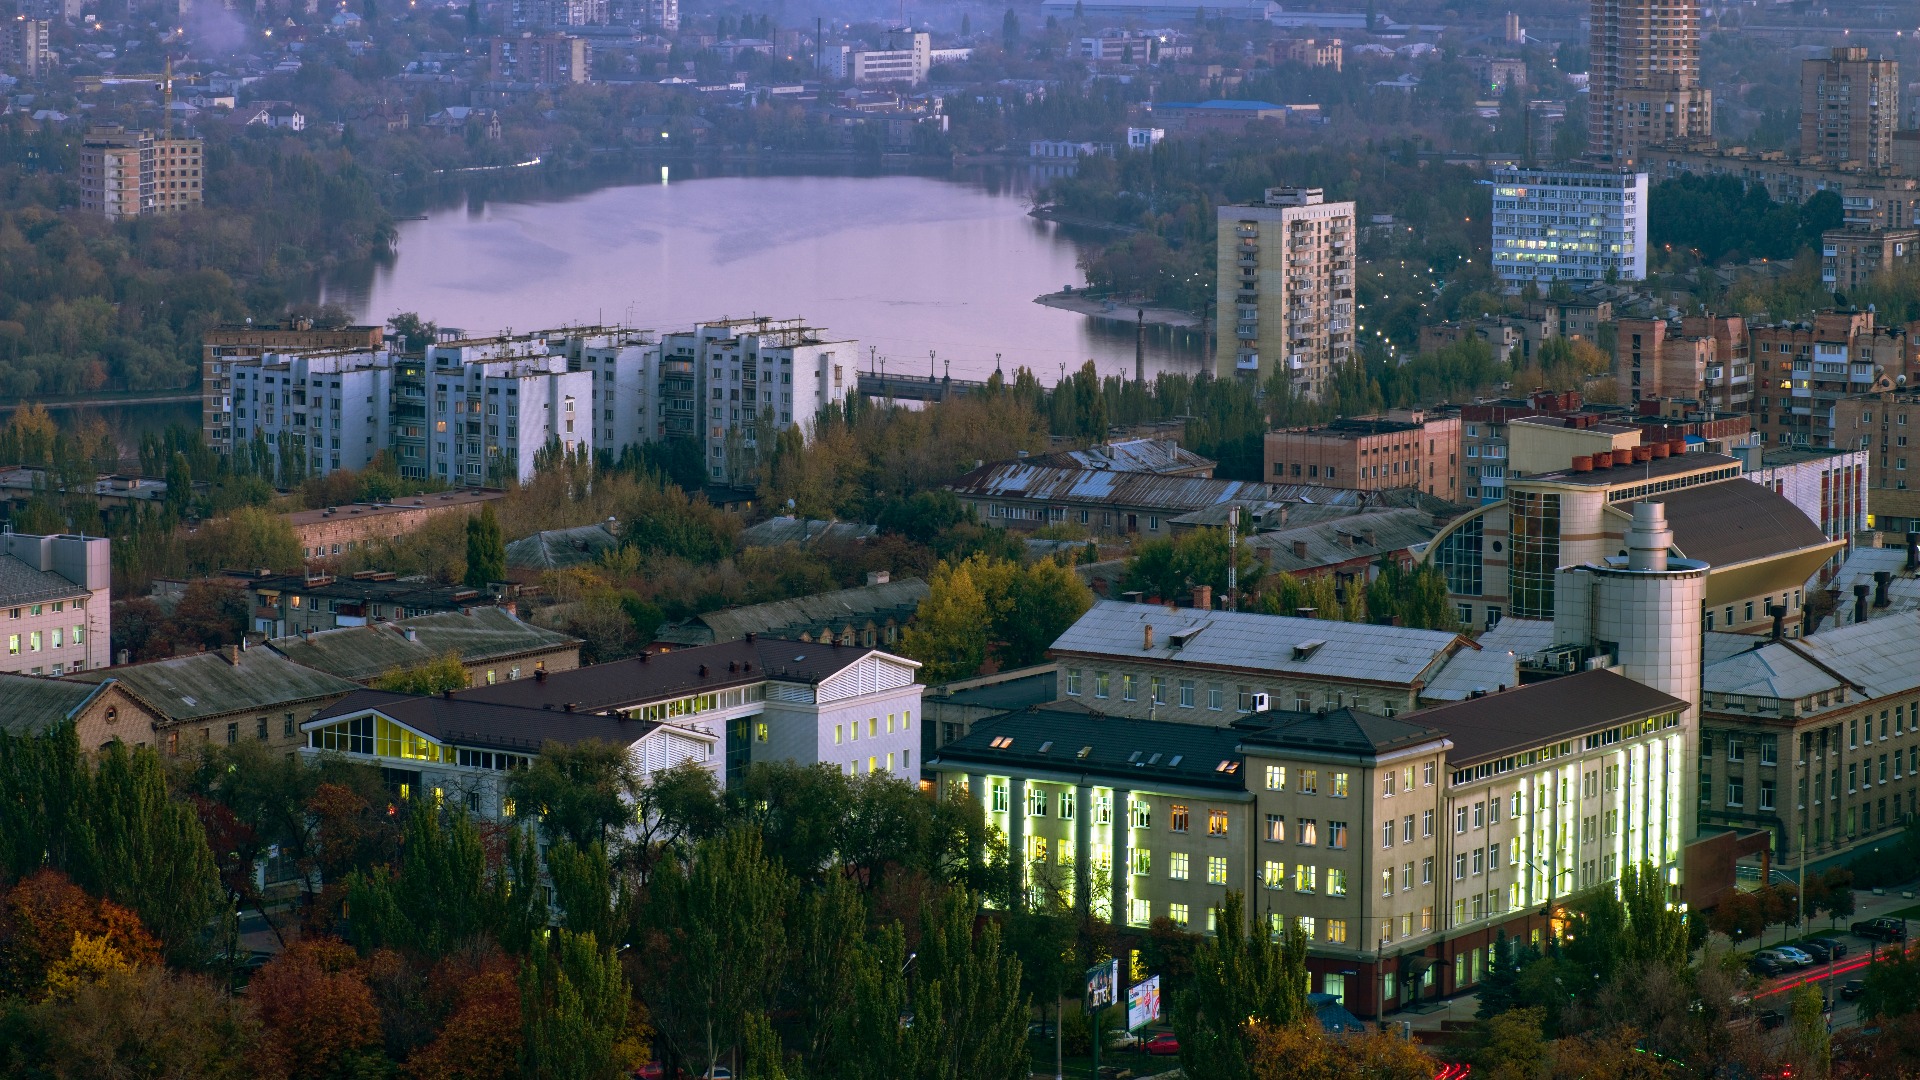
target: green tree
575 790
1656 929
1499 988
429 677
583 889
1044 599
1811 1045
714 935
443 898
828 948
486 549
1512 1046
1240 978
946 634
1892 986
149 852
574 1007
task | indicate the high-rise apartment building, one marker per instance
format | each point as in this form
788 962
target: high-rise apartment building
1644 78
1286 280
224 346
1849 107
543 59
24 47
125 173
1569 225
1804 369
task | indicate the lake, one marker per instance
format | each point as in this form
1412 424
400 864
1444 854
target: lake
923 271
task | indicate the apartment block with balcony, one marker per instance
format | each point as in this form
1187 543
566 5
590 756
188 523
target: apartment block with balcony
1286 277
1644 84
1569 225
1702 358
1849 257
1885 425
1805 369
1849 108
228 345
126 173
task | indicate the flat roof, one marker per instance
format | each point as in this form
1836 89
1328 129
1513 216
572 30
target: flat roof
1075 740
1637 473
360 510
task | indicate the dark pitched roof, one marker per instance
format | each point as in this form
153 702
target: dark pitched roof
476 635
1735 522
21 583
1337 731
30 704
1116 747
489 726
653 676
1543 712
216 683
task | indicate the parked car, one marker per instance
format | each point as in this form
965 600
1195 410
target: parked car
1163 1045
1852 989
1770 1019
1835 947
1795 956
652 1070
1881 929
1765 966
1123 1040
1819 950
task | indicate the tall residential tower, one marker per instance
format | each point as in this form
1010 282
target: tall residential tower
1286 287
1644 78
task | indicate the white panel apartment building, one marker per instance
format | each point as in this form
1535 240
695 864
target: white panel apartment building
494 405
1572 225
716 380
329 408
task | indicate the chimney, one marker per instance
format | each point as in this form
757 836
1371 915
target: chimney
447 693
1146 639
1860 603
411 635
1661 449
879 577
1303 612
1913 552
1779 613
539 675
1880 580
1203 597
1299 549
703 671
1583 463
1369 538
233 655
1132 596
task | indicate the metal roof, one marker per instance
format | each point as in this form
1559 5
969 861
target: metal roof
476 636
1494 664
217 683
30 704
1079 742
557 549
1903 586
1338 731
1878 655
1356 536
1308 648
1771 671
1129 455
659 676
786 529
1304 504
1543 712
24 584
1734 522
1170 494
802 614
488 725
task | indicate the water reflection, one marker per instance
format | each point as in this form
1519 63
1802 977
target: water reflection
925 273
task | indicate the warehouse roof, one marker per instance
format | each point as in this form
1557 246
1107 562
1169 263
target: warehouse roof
1172 494
476 636
1129 455
1314 648
1309 547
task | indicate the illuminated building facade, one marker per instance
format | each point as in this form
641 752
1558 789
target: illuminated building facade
1569 225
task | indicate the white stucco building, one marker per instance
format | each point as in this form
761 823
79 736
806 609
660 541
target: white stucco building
1569 225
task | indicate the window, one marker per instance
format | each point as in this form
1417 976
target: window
1460 819
1426 823
1305 878
1216 869
999 796
1140 815
1100 684
1127 691
1073 682
1142 862
1309 781
1308 833
1426 773
1178 815
1037 802
1406 829
1406 877
1426 870
1460 867
759 729
1276 828
1177 913
1479 861
1339 785
1186 693
1766 793
1386 883
1479 815
1216 823
1276 778
1216 698
1337 835
1337 934
1274 875
1066 805
1386 785
1386 834
1177 866
1158 684
1736 791
1336 882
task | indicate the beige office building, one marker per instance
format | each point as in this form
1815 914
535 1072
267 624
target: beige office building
1286 288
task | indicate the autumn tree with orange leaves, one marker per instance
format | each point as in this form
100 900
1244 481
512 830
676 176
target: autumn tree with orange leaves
318 1011
43 916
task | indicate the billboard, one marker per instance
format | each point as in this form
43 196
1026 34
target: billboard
1103 981
1143 1003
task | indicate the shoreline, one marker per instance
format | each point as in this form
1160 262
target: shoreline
1121 313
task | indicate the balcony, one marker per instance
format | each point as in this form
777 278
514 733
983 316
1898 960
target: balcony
1248 259
1296 361
1246 331
1247 361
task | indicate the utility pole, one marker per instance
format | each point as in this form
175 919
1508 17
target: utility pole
1233 557
1140 346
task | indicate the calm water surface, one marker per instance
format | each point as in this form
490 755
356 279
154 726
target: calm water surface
906 265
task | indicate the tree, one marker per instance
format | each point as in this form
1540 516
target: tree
574 1007
1511 1046
1811 1046
581 888
149 851
1301 1051
429 677
715 941
1499 988
946 634
1892 986
1656 929
141 1023
444 895
1044 599
575 789
1240 980
486 549
827 941
1738 915
1009 30
481 1039
46 919
317 1010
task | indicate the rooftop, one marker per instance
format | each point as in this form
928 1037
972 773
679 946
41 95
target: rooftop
217 683
1129 455
1639 472
1543 712
21 583
1357 536
487 725
1337 731
1075 740
658 676
30 704
1734 522
417 592
779 531
1314 648
800 614
1356 428
476 636
1172 494
557 549
471 497
1494 664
